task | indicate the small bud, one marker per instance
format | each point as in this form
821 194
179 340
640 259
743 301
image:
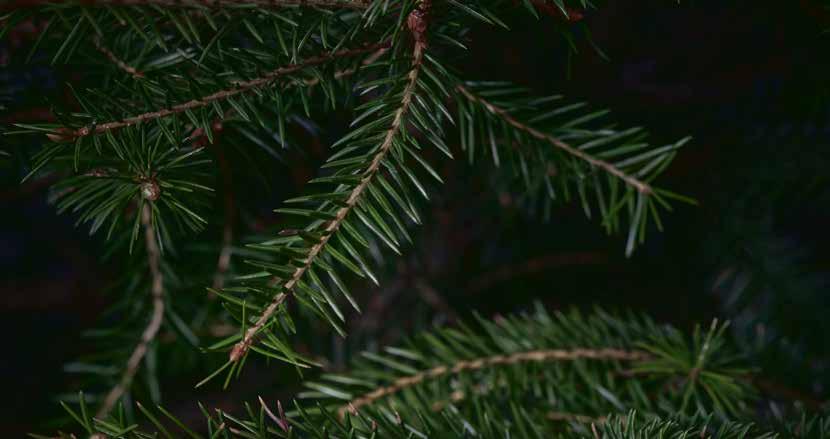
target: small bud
150 190
62 135
417 21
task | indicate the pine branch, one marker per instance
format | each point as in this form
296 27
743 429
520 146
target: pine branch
497 360
577 358
66 134
510 378
417 26
609 169
150 332
640 186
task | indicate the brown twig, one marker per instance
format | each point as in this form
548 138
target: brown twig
117 61
224 262
65 134
640 186
496 360
417 26
214 4
157 291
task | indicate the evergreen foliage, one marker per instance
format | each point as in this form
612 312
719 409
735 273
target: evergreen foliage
136 156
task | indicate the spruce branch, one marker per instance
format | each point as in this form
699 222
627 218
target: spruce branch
538 356
640 186
152 329
417 24
66 134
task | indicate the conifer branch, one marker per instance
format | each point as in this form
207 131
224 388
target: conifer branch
496 360
417 26
132 71
352 70
640 186
238 88
149 334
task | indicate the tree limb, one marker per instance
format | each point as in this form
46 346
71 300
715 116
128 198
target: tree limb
482 363
243 345
66 134
149 334
640 186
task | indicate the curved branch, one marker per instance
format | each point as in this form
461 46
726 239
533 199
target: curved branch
238 88
243 345
149 334
482 363
640 186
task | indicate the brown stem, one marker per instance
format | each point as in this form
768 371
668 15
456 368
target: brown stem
497 360
243 345
238 88
224 261
157 291
640 186
117 61
215 4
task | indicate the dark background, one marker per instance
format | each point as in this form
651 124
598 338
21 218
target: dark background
748 80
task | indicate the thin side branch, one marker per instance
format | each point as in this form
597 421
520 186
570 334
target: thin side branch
149 334
482 363
224 261
640 186
238 88
117 61
243 345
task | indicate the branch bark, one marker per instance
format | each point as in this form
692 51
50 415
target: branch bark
152 329
417 27
66 134
482 363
